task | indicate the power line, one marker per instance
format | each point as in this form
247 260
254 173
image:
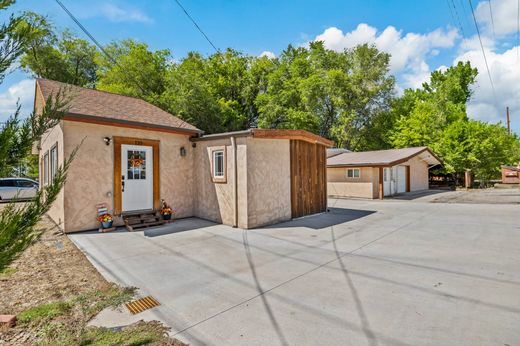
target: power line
491 15
458 17
95 41
518 31
483 51
197 26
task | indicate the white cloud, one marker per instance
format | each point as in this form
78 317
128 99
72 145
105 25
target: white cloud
408 52
504 16
118 14
268 54
505 73
22 92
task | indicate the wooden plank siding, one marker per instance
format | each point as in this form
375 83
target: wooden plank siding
308 178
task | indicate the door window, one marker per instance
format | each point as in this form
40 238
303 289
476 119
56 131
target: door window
136 165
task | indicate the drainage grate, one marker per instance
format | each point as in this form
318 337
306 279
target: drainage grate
142 304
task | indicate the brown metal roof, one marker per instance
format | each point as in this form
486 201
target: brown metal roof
101 105
271 134
382 157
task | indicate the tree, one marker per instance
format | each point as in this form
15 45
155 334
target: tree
435 116
344 96
135 71
66 59
17 224
217 93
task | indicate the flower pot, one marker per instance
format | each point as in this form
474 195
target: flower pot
166 216
107 224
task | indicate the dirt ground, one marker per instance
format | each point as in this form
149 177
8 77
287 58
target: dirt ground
51 269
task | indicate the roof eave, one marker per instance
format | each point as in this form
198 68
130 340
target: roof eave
128 123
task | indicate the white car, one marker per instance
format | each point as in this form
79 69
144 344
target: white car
17 188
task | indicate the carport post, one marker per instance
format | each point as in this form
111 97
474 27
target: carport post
381 188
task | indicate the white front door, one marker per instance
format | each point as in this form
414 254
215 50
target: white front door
137 177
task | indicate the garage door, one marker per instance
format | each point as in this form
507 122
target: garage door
401 179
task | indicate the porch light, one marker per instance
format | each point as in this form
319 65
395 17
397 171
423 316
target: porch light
107 140
183 151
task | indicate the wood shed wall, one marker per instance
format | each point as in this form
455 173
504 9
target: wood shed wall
308 178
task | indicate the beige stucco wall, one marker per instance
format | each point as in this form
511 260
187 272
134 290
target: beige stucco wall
263 180
214 200
49 139
366 186
90 179
418 174
268 181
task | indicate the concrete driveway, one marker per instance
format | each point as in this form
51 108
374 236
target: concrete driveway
367 273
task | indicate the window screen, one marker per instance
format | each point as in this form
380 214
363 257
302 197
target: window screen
218 164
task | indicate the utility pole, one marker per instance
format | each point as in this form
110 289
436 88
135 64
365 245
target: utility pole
508 121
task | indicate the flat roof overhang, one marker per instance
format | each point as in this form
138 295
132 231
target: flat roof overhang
269 134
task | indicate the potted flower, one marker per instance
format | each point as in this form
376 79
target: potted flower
166 211
106 220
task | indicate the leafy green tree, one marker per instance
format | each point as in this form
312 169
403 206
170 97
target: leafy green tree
435 116
135 71
217 93
18 223
344 96
65 58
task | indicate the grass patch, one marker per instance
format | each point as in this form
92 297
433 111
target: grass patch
7 272
93 302
44 312
138 334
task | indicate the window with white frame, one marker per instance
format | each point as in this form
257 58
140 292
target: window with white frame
353 173
54 161
218 164
46 168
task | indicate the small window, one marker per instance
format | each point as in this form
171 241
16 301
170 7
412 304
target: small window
54 161
136 165
7 183
353 173
218 165
46 169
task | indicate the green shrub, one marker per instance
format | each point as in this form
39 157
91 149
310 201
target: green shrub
44 312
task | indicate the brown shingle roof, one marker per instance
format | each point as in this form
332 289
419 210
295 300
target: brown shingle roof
114 107
381 157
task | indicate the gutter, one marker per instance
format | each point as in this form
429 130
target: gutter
235 182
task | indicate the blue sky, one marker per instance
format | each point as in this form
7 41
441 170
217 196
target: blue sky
421 36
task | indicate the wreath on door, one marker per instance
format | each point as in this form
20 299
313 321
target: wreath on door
136 162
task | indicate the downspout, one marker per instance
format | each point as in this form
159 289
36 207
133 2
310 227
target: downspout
235 183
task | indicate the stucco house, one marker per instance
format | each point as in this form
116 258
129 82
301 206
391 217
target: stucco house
134 154
375 174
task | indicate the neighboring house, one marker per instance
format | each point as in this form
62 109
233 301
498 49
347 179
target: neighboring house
510 174
374 174
134 154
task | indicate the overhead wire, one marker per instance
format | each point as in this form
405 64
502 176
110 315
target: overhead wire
101 48
492 20
197 26
483 51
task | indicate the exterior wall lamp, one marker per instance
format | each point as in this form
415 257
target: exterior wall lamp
183 151
107 140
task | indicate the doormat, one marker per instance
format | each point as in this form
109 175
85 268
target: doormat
142 304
